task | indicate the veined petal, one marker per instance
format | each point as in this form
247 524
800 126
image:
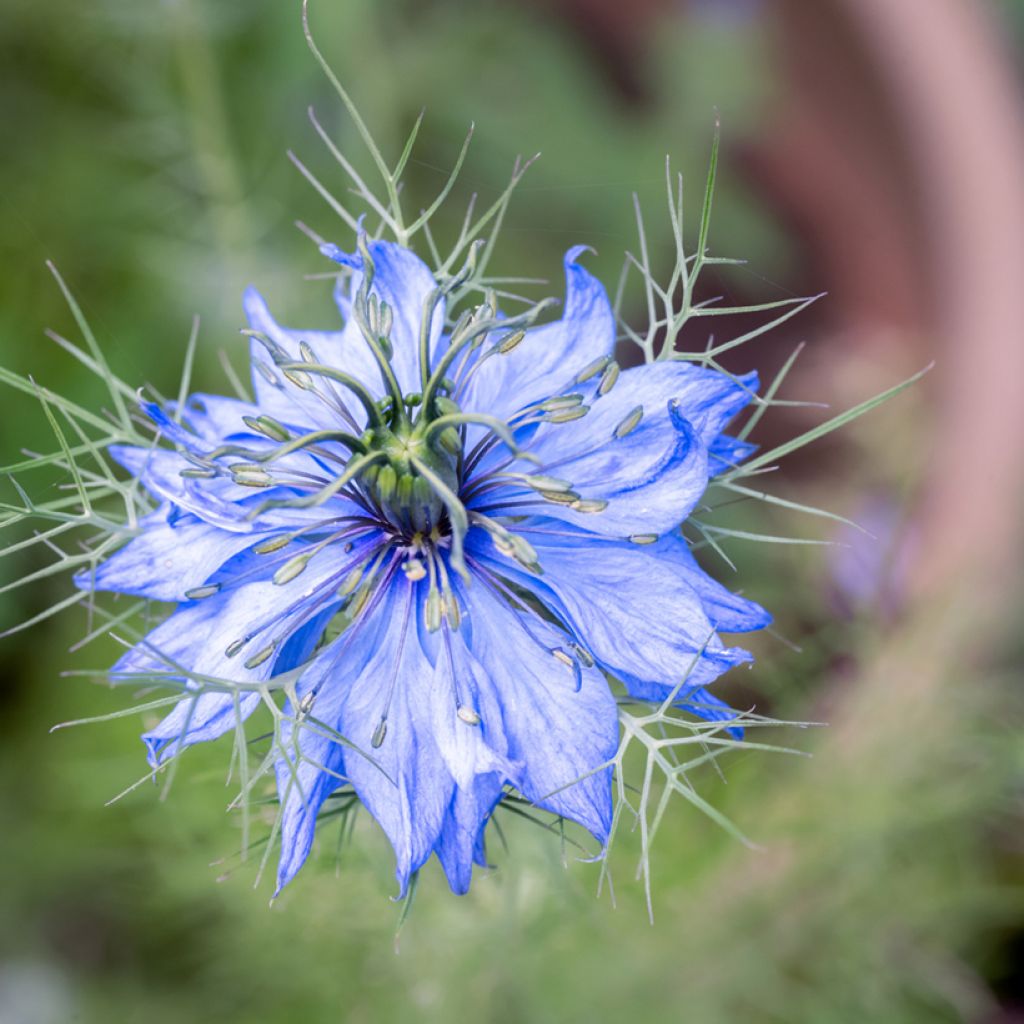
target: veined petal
197 719
407 786
637 616
215 501
166 559
344 350
547 360
727 611
561 727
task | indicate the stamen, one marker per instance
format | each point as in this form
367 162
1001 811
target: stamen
510 342
592 369
468 715
608 378
292 568
267 426
261 656
643 538
560 497
379 733
561 656
274 544
589 505
251 477
630 423
198 593
414 570
567 415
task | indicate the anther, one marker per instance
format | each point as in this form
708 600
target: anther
274 544
291 569
267 426
432 612
608 378
198 593
358 602
567 415
306 704
251 478
547 483
451 611
198 474
643 538
589 505
560 497
235 646
561 656
557 402
592 369
414 570
350 582
261 656
510 341
308 355
379 733
630 423
266 372
583 655
468 715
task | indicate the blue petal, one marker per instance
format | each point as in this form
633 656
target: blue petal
159 471
344 350
727 452
403 281
547 360
406 786
635 614
561 728
727 611
652 476
193 642
166 559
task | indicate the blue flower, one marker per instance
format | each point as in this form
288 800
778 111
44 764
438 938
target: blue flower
441 543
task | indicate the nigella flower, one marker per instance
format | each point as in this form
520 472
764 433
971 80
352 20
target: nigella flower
443 543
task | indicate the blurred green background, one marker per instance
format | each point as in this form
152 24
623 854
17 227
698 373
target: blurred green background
145 155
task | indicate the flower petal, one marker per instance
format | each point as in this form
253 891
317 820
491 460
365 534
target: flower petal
547 360
560 727
404 282
166 559
634 613
727 611
406 787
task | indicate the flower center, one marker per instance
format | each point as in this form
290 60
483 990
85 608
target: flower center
408 476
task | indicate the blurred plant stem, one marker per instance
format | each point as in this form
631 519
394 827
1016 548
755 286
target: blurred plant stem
209 127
